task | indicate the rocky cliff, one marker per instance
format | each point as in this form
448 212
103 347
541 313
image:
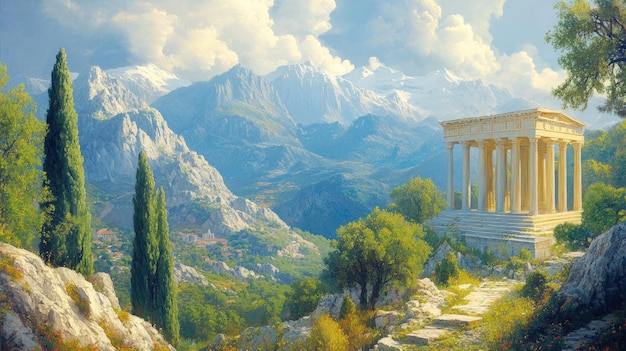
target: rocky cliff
56 308
597 280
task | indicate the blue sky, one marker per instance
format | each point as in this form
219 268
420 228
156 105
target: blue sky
498 41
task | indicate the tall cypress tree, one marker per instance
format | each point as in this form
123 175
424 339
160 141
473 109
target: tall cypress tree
145 244
166 307
66 234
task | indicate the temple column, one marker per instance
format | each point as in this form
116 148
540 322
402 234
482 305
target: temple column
490 196
577 177
516 196
450 147
562 177
550 176
500 175
482 178
533 179
524 176
466 190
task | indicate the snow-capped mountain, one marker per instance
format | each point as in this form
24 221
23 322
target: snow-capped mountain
313 96
148 82
440 93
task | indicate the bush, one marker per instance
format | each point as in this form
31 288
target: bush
327 334
303 297
447 269
573 236
348 308
537 287
81 302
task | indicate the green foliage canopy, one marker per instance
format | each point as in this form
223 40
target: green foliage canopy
66 233
381 249
303 297
21 150
418 200
592 38
603 207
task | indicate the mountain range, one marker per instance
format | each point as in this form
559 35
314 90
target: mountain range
317 149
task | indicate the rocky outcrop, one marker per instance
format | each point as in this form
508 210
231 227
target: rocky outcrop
597 280
186 274
39 303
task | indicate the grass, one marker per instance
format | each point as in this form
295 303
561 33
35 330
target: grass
81 302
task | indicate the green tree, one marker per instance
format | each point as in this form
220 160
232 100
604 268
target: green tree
378 251
418 200
66 233
145 244
21 150
574 236
594 172
303 297
592 38
603 207
166 306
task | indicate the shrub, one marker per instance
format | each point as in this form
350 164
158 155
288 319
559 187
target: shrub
537 287
327 334
574 236
81 302
447 269
348 308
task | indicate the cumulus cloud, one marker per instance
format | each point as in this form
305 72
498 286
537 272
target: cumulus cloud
200 38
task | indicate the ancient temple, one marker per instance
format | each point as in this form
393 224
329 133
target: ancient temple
522 180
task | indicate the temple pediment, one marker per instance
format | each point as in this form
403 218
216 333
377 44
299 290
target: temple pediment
527 123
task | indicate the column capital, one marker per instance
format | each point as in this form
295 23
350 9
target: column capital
577 145
501 141
450 145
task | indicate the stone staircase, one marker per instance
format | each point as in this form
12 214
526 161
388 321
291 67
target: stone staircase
464 318
503 233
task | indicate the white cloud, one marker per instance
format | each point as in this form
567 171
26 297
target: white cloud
200 38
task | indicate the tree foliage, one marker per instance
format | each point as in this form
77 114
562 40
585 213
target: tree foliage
166 302
603 207
145 245
66 233
418 200
592 39
21 150
303 297
153 288
373 252
574 236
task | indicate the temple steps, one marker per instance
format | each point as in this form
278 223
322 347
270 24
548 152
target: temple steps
489 229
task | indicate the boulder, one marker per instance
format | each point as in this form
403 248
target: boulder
258 339
37 299
597 280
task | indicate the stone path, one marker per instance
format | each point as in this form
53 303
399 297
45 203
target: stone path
465 316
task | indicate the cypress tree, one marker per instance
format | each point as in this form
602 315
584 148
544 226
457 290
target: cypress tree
166 307
66 233
145 244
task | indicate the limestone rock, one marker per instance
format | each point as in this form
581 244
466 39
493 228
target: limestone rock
597 280
384 319
102 283
258 339
185 274
38 298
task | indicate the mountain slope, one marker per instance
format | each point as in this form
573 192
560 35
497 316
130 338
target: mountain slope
313 96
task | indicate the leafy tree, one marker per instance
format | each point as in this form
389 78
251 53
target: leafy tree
447 268
592 39
66 234
326 334
603 207
348 308
382 249
145 244
21 150
574 236
166 306
594 172
304 296
418 200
